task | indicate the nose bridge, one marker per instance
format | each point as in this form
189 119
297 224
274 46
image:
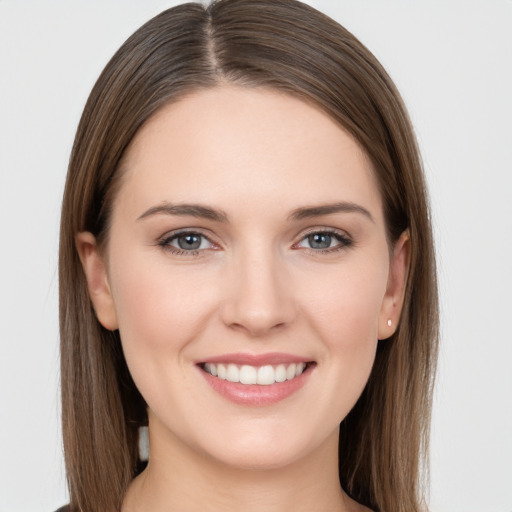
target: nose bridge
259 297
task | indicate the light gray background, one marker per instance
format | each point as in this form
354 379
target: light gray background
452 61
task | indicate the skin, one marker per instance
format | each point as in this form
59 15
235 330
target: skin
256 286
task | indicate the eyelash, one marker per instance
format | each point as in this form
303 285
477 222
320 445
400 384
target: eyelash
166 240
344 242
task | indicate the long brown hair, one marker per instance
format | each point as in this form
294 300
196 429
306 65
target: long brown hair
284 45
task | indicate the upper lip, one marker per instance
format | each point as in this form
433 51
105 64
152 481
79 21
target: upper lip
256 359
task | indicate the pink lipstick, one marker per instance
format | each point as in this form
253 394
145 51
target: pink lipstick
256 380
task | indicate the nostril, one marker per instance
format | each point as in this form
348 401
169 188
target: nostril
257 329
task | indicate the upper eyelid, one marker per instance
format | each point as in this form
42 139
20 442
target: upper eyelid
187 231
165 241
335 231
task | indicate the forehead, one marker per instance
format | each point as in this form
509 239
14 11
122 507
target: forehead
244 147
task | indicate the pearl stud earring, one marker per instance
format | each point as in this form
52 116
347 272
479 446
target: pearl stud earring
389 323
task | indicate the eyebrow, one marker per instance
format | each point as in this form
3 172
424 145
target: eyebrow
206 212
192 210
327 209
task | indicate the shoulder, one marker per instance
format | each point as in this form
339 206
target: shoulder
63 509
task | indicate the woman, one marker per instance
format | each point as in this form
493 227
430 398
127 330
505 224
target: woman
247 267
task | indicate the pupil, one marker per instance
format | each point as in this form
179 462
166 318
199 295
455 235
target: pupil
189 242
320 241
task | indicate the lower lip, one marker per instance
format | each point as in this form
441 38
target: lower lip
254 394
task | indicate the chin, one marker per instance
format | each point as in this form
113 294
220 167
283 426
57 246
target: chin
273 448
250 459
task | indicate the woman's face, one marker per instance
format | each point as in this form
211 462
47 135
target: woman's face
247 244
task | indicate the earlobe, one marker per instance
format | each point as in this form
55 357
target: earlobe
395 291
97 280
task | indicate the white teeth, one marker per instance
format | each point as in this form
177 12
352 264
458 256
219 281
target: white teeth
281 373
233 373
262 375
266 375
221 371
290 371
248 374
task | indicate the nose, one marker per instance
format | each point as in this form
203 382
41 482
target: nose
259 295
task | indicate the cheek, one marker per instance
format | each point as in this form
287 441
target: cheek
347 302
160 312
160 309
345 313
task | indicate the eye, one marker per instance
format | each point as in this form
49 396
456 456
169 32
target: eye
184 242
325 241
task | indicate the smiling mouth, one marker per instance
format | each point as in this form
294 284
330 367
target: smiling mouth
260 375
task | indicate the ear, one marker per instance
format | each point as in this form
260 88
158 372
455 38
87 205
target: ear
97 280
394 298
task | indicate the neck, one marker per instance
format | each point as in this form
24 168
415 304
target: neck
180 478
